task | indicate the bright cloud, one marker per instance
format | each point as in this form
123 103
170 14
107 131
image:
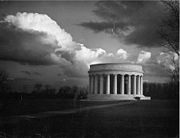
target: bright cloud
41 23
89 55
143 56
36 39
51 34
121 53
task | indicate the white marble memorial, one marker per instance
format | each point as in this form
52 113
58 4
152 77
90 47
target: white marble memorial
116 81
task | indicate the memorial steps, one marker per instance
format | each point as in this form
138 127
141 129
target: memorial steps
112 97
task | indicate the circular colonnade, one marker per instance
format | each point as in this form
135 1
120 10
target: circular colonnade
116 79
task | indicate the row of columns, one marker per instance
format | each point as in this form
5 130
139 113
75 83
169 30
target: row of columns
96 84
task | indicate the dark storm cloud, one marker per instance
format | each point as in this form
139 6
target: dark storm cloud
78 73
37 73
31 73
101 26
76 70
26 72
144 16
154 69
23 46
68 55
60 74
23 79
117 10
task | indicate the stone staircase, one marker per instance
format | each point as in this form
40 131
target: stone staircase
112 97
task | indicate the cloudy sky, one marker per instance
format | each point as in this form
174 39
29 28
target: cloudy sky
55 42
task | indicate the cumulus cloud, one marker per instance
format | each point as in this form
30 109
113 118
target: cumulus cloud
89 55
168 60
143 56
24 47
40 23
33 34
122 54
36 39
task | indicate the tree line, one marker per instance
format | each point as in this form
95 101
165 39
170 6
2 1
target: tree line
161 90
46 92
168 90
154 90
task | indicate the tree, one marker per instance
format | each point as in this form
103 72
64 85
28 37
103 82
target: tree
170 62
37 87
47 87
3 79
175 71
169 29
169 32
49 90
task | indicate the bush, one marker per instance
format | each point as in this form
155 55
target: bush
161 90
74 92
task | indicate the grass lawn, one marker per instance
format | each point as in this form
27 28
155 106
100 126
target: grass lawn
142 119
31 106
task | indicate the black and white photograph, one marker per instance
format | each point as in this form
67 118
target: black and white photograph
89 69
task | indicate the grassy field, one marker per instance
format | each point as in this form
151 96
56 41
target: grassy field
31 106
142 119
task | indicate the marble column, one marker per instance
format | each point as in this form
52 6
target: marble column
129 84
90 84
101 84
139 85
115 84
134 91
108 84
96 84
122 84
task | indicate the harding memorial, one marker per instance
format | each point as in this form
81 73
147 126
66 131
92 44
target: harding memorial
116 81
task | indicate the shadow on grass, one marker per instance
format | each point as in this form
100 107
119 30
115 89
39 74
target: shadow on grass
156 119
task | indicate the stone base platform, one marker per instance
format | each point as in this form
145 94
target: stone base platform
112 97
